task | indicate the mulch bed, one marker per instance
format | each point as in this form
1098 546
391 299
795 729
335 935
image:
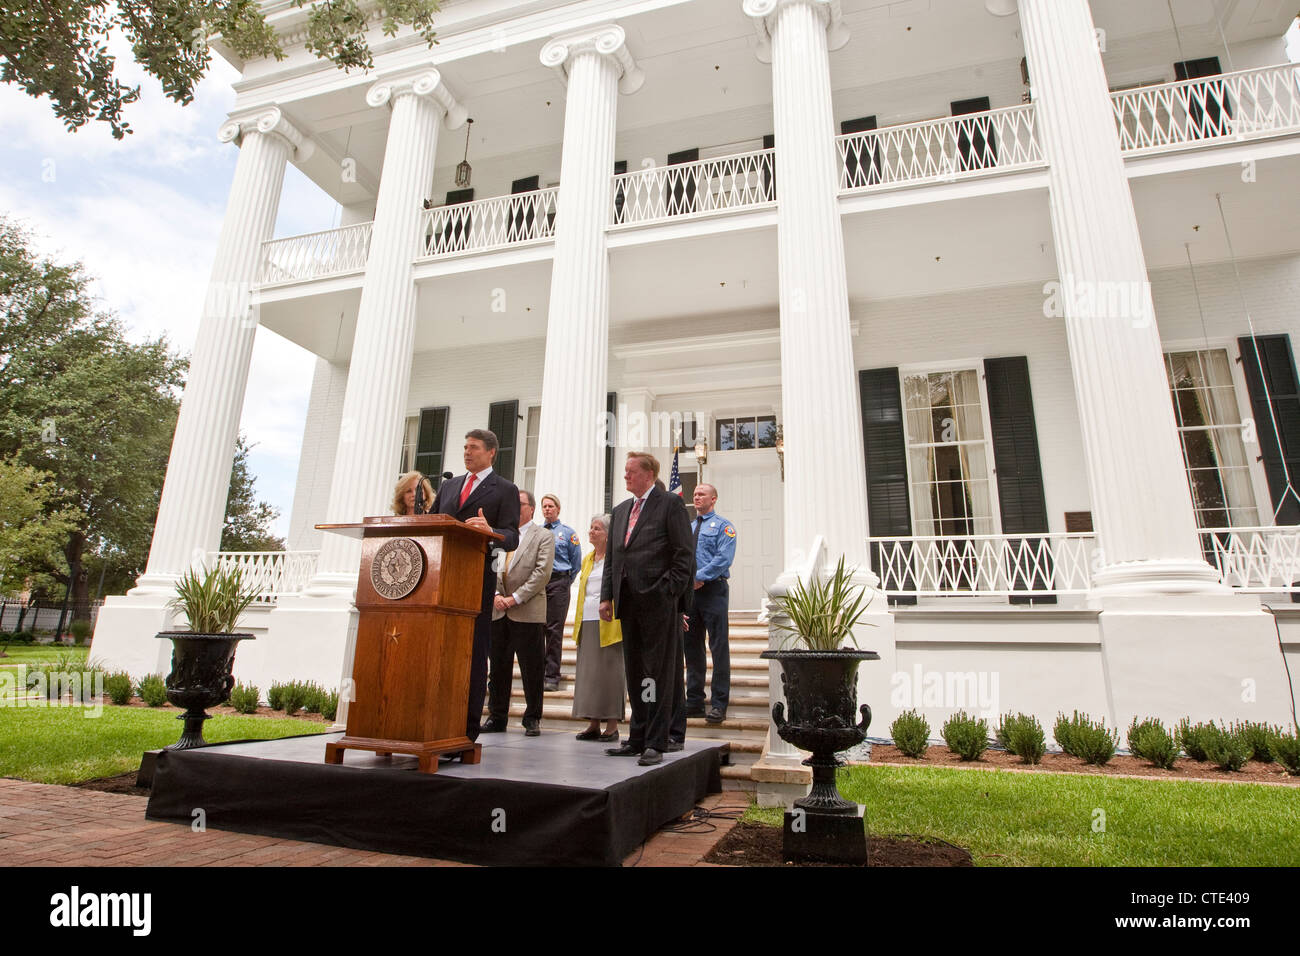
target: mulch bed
1184 768
122 783
751 844
230 711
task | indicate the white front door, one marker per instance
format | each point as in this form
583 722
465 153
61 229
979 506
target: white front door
749 495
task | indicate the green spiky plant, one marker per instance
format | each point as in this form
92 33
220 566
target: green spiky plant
823 613
212 603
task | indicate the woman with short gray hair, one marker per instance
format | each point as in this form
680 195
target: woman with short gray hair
600 685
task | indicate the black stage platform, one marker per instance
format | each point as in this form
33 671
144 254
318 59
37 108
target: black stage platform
532 801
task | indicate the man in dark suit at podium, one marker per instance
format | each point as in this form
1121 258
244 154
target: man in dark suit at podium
484 500
646 586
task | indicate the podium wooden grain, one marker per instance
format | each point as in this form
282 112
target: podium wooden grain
410 670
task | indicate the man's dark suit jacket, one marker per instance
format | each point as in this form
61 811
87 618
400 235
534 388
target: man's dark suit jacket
499 500
659 558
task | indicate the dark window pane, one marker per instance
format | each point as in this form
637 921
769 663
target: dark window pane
745 436
767 432
726 435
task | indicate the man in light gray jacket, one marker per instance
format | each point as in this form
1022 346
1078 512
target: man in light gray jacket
519 621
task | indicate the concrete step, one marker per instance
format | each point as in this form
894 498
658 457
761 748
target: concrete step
733 726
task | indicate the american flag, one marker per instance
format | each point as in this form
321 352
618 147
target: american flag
675 479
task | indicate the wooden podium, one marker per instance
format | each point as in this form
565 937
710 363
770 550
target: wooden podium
419 590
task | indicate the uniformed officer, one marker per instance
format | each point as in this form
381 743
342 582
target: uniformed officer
568 561
715 549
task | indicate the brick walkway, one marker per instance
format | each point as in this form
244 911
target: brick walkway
47 825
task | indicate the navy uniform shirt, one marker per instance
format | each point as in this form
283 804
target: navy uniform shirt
715 546
568 552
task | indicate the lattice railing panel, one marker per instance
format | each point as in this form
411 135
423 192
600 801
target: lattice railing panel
941 150
1250 104
488 223
316 254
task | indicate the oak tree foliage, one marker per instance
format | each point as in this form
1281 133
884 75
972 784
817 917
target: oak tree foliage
60 49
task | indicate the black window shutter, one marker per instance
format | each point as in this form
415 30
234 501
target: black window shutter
431 442
1203 98
459 225
620 195
852 161
611 408
503 421
683 189
1019 471
522 212
977 147
888 503
1280 444
769 168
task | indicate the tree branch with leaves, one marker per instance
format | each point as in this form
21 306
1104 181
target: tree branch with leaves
59 48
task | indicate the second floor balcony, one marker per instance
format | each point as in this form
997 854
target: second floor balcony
1225 109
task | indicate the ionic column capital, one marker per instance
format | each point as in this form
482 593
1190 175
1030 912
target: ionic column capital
765 12
270 121
421 81
608 40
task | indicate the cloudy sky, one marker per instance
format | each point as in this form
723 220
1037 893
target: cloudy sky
143 215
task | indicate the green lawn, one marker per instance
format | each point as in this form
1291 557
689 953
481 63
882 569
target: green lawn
1008 819
63 745
32 653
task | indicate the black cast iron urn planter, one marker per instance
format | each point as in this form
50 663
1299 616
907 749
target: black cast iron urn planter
822 690
200 678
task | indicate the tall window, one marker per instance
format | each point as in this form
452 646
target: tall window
1209 427
410 439
948 456
532 428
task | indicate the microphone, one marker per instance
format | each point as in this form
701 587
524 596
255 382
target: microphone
419 497
446 475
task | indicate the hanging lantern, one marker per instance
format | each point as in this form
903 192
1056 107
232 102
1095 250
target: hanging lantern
463 168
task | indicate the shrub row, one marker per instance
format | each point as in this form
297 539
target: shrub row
1228 747
303 695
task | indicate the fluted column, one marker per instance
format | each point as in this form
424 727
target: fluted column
379 374
1142 507
596 65
825 479
193 502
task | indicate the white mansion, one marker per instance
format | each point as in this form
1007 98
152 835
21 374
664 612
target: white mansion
994 298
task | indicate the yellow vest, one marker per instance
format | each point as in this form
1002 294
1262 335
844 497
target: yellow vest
611 632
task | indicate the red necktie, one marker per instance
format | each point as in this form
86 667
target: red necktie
464 492
631 522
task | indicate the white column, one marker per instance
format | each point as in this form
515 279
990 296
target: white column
825 476
194 494
1142 507
379 374
596 65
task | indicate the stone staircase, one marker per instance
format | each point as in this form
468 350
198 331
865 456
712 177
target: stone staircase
748 712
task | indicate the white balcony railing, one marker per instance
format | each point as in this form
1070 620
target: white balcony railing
985 564
1255 559
316 254
276 572
941 150
488 223
1250 104
704 187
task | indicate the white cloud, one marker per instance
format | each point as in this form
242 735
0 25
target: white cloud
143 215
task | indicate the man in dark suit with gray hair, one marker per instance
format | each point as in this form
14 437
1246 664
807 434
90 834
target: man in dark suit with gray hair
647 587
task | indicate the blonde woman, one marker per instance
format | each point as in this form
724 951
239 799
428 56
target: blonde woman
600 686
404 494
